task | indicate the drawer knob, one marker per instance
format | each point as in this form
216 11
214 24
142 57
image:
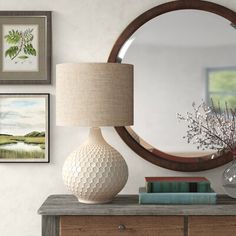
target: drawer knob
121 227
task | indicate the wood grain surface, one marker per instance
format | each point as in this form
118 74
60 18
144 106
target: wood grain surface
50 226
121 225
58 205
211 226
77 219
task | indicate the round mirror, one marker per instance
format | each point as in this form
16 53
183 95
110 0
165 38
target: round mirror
180 57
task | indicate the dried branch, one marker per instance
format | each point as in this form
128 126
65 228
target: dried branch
211 127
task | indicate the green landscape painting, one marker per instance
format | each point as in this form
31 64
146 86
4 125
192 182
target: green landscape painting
23 128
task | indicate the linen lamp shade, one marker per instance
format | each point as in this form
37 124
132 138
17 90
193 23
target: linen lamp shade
94 94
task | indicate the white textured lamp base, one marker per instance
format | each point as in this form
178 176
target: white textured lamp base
95 172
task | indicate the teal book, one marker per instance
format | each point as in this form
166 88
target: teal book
177 184
176 198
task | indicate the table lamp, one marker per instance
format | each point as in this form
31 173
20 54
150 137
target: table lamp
94 95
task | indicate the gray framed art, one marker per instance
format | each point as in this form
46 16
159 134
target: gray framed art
24 127
25 47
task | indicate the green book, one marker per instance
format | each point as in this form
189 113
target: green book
177 184
176 198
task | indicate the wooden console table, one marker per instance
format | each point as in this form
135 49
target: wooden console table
62 215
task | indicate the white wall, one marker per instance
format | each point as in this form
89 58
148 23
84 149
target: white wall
83 30
168 79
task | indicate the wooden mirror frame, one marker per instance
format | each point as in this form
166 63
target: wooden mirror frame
161 158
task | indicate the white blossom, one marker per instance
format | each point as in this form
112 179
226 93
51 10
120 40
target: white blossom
211 127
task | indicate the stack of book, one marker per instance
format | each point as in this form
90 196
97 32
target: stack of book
177 190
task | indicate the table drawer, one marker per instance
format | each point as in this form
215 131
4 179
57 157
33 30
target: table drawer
211 225
121 225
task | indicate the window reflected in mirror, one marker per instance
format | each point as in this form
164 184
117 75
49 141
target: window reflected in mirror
221 84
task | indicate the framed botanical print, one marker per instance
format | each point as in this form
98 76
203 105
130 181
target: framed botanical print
24 127
25 47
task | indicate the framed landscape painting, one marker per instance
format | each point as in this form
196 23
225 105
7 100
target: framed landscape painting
24 128
25 47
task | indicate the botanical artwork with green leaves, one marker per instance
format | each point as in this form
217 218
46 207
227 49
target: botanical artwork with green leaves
20 50
21 44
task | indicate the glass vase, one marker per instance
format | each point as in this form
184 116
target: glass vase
229 179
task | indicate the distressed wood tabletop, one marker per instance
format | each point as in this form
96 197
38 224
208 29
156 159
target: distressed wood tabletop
57 205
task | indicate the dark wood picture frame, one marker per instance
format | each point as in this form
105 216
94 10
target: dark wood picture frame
31 63
47 127
158 157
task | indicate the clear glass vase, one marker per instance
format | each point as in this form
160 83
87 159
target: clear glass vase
229 179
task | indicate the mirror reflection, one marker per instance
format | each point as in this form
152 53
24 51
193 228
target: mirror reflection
180 57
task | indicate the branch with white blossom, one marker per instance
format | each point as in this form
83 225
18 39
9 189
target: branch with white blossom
211 127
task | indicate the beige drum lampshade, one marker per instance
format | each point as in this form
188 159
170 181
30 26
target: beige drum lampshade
94 94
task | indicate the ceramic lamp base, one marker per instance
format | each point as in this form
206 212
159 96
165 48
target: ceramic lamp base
94 202
95 172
